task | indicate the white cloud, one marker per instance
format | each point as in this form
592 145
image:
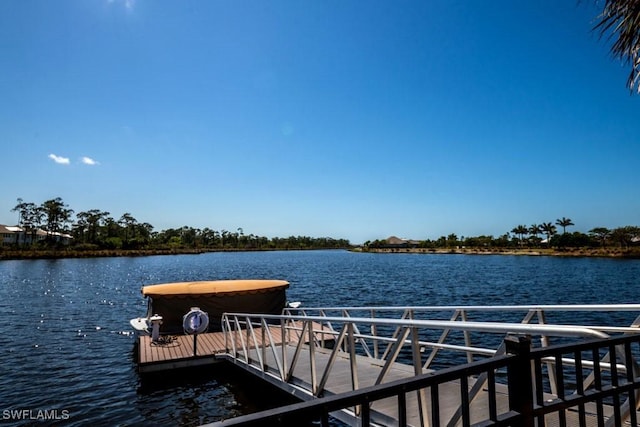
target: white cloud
59 159
89 161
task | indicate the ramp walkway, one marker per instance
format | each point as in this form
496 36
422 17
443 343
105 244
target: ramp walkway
442 369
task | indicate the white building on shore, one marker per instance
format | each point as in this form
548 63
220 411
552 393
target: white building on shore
14 235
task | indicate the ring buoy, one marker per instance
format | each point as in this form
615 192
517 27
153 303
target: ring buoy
195 321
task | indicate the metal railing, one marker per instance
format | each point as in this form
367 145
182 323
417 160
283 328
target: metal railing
390 341
614 390
503 313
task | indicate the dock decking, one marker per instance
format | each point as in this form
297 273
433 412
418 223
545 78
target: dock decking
176 351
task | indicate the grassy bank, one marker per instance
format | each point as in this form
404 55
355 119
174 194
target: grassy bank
633 253
8 254
69 253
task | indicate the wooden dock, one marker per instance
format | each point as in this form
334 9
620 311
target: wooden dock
177 351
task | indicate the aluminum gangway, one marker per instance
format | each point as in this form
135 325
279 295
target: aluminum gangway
338 351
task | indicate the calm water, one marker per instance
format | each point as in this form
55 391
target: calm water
66 343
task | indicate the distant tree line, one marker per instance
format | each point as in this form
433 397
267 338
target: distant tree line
96 229
544 235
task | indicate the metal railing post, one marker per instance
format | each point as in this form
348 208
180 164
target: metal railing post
312 358
417 369
519 378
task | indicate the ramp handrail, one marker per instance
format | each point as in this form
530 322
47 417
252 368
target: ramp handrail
533 314
527 405
512 307
386 340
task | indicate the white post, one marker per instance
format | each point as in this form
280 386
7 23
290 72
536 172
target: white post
156 321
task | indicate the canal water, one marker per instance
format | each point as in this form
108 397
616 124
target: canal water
67 345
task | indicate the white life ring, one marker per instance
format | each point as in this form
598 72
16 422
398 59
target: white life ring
195 321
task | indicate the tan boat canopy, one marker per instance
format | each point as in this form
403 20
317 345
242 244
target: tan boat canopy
173 300
213 287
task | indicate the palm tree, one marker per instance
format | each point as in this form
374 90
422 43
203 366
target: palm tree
620 21
548 229
564 223
534 230
520 230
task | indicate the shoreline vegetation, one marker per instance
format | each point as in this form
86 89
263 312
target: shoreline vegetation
32 254
52 230
633 253
60 253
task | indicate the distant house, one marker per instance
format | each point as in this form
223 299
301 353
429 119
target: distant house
63 238
9 234
396 242
12 235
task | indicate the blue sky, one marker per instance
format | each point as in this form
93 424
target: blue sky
346 119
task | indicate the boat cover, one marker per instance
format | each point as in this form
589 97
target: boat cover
212 287
173 300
